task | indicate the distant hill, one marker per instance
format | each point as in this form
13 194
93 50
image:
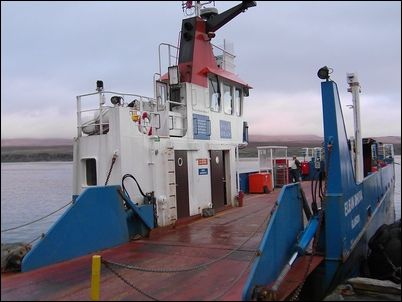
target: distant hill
17 150
284 138
312 138
35 142
388 139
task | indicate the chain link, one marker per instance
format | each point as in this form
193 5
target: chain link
128 283
255 254
194 268
188 269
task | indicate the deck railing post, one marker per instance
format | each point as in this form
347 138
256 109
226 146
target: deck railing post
95 278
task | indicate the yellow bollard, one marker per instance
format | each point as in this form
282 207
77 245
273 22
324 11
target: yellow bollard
95 280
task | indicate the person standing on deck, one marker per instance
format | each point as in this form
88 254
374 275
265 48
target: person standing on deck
295 170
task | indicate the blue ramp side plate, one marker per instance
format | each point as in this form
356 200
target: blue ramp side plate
97 220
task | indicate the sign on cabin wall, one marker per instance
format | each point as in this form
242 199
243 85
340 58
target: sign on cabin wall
201 126
225 129
202 161
203 171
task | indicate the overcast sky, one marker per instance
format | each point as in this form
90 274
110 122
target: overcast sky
53 51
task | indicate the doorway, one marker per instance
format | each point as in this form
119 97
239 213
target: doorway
218 179
182 196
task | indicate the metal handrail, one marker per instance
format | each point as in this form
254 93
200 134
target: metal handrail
176 56
176 103
227 64
102 108
170 56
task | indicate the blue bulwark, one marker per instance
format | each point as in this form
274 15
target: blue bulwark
95 221
203 171
279 240
225 129
201 126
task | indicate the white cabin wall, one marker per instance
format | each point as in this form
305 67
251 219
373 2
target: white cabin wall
230 171
99 147
164 183
200 104
142 157
199 185
150 159
76 174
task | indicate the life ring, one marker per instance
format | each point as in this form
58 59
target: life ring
144 124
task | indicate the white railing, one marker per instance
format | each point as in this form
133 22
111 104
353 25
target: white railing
172 57
97 122
224 58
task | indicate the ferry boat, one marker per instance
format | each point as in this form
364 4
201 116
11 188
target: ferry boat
146 169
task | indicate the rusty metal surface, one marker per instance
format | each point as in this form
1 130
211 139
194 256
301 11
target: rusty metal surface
297 274
185 245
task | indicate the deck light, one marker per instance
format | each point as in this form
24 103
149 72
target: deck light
99 86
116 100
324 72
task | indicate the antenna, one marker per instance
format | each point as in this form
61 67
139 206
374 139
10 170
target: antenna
194 7
354 88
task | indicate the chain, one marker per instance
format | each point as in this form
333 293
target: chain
39 237
242 272
26 224
128 283
188 269
255 254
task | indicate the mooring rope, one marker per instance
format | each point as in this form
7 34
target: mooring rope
36 220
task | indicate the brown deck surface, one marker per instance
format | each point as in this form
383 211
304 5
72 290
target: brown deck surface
186 245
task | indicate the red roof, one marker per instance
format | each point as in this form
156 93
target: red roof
225 74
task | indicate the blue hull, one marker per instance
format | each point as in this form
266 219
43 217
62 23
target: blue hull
334 272
351 213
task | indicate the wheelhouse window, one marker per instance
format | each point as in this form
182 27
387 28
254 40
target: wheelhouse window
214 95
227 99
161 95
90 169
238 98
175 97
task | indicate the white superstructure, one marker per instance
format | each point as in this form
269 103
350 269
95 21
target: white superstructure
180 144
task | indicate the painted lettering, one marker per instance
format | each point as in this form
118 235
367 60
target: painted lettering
353 202
355 221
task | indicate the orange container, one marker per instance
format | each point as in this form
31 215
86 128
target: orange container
260 183
305 168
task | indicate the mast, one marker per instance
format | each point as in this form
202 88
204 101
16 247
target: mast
354 88
195 52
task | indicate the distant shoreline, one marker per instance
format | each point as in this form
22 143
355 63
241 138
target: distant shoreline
65 152
36 153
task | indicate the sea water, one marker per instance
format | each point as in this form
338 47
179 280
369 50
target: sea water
32 190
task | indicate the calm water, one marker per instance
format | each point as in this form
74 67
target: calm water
32 190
